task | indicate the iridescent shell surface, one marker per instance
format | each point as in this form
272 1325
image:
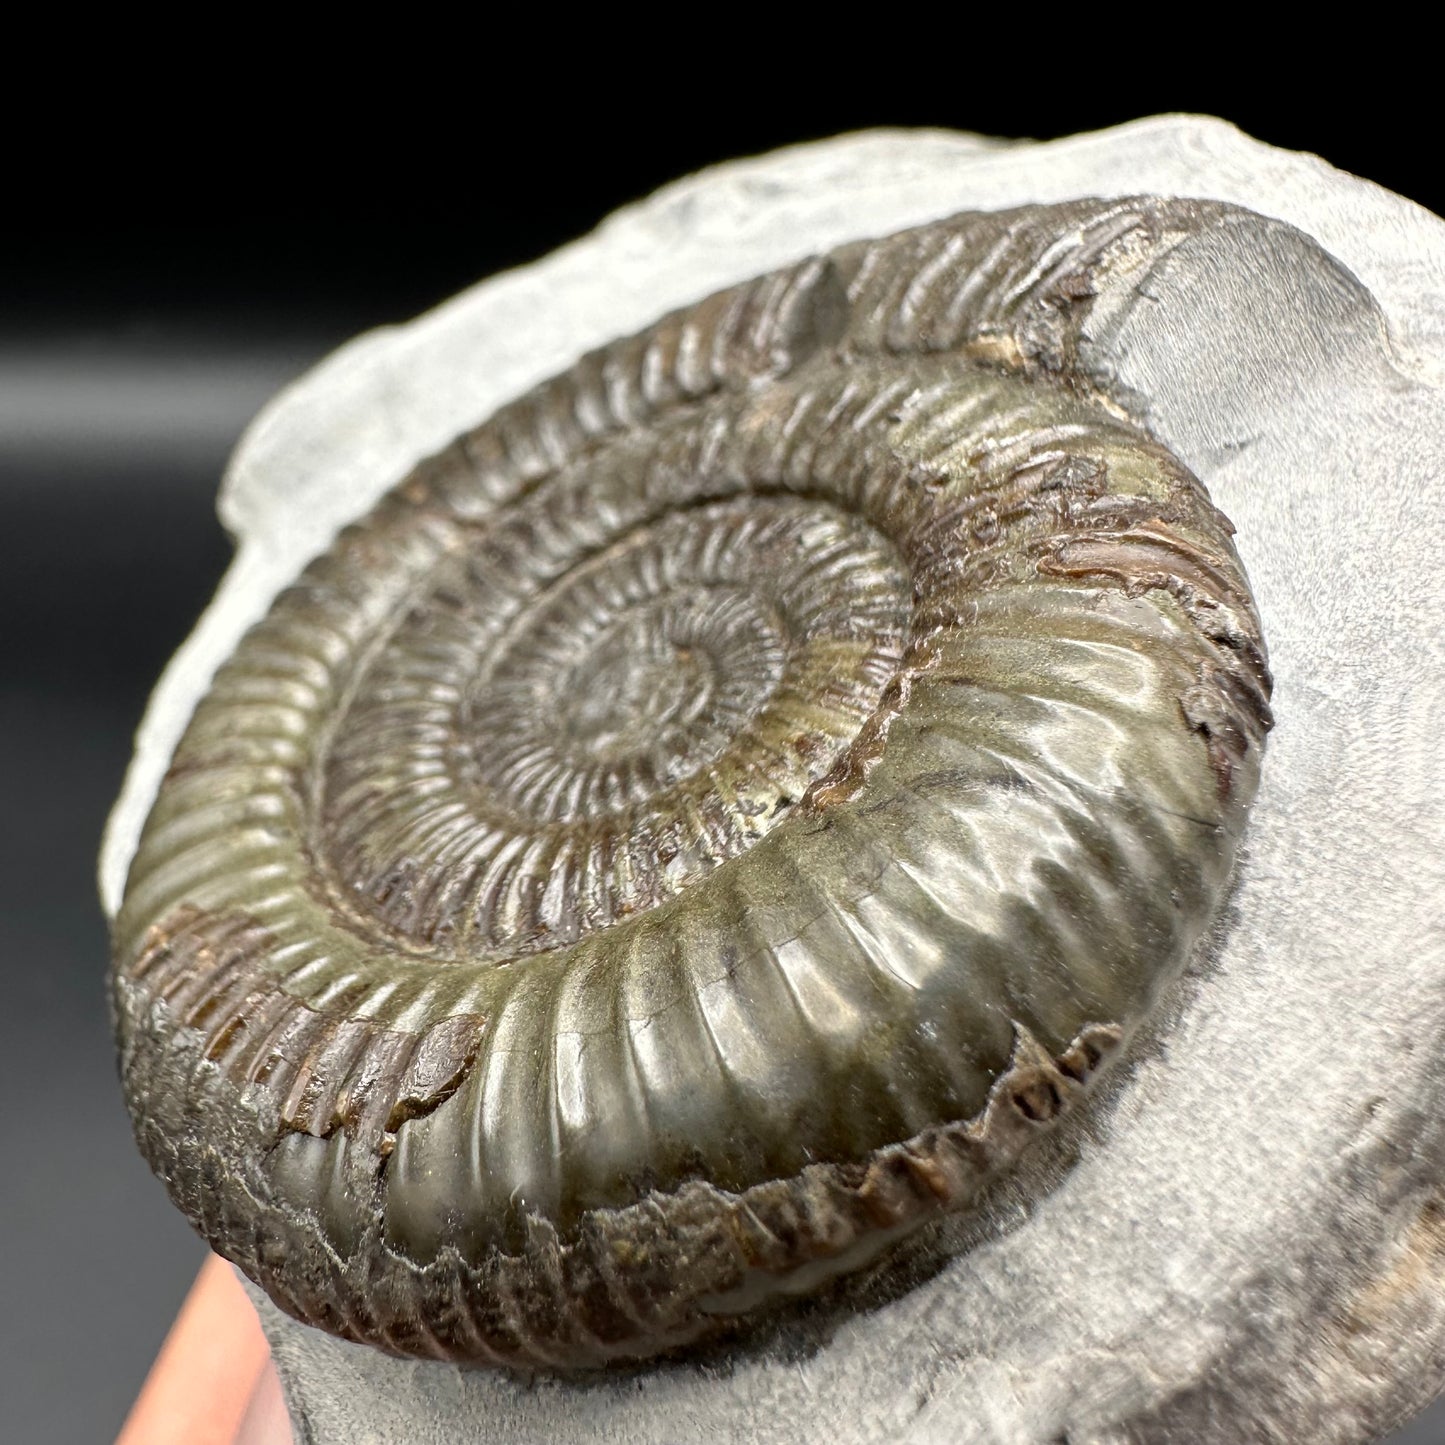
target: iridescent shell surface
703 823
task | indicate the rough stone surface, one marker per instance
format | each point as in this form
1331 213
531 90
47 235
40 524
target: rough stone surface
1246 1240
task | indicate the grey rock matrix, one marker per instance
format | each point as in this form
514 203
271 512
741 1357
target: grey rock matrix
1242 1239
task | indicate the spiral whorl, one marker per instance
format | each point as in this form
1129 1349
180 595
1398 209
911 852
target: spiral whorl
703 821
539 750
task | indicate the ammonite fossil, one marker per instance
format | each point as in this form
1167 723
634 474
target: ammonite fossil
705 821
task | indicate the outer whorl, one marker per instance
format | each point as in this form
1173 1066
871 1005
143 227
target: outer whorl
703 822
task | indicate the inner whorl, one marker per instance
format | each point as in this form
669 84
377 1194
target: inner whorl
704 822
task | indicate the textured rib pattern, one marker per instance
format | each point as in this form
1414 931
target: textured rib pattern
703 822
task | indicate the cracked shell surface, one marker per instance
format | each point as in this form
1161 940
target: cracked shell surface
703 822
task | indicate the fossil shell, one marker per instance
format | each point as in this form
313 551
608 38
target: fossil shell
706 820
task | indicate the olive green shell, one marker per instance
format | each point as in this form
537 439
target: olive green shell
703 822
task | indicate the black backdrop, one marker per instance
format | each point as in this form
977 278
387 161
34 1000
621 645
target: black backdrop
205 240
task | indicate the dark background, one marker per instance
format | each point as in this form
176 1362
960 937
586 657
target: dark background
202 243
